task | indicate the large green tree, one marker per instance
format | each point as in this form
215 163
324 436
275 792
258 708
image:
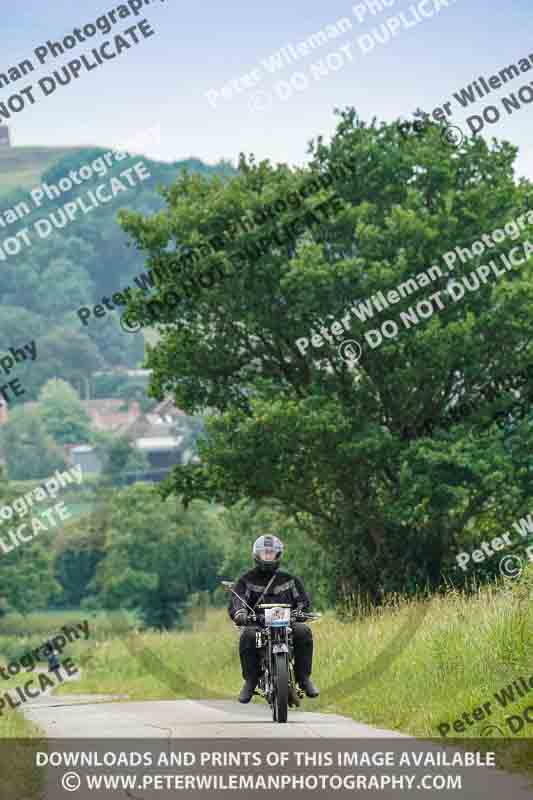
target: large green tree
26 579
156 555
77 552
122 458
135 389
63 415
30 452
371 460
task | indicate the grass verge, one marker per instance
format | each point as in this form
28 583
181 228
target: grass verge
464 651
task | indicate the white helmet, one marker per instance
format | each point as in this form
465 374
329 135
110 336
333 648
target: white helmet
267 552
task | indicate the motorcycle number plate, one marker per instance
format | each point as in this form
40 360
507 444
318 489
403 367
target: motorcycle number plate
277 617
280 648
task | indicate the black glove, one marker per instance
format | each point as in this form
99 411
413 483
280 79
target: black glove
241 617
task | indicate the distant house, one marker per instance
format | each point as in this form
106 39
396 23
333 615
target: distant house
159 434
131 373
162 434
84 455
5 140
163 452
106 415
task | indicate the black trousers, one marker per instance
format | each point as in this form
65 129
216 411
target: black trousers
303 651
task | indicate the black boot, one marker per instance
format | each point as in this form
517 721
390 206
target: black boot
294 700
250 665
247 690
309 687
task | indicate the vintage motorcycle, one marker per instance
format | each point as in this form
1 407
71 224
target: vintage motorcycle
274 642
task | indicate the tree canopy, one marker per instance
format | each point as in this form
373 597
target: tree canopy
371 460
26 577
62 413
156 555
30 452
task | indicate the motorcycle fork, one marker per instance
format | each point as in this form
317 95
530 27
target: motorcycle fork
264 642
294 692
269 638
262 645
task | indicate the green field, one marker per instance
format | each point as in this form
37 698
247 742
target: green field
22 167
409 666
20 635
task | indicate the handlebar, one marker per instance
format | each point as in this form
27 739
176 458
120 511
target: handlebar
310 616
296 616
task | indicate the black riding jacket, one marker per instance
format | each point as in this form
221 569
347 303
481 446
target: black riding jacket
284 588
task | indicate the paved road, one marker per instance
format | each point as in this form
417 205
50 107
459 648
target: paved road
76 717
80 715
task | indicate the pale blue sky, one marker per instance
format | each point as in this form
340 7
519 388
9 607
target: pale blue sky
200 47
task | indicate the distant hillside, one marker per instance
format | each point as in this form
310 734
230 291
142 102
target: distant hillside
22 167
76 264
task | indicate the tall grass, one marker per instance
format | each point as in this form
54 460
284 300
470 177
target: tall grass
408 666
21 634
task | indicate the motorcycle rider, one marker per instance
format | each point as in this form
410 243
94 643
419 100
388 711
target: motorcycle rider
267 552
53 659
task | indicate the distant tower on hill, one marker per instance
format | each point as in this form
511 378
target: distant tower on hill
4 136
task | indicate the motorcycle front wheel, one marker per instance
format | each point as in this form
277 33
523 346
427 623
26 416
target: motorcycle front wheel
281 688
